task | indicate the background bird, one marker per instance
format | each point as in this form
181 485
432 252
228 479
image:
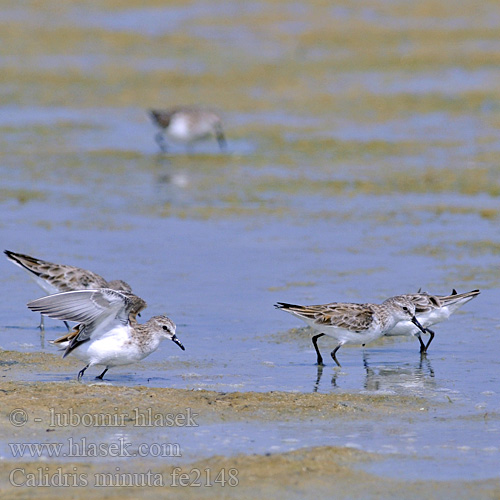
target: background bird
429 310
54 278
187 125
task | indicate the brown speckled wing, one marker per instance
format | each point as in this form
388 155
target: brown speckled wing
423 302
353 317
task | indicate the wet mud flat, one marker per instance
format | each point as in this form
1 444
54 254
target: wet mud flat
327 471
54 412
373 120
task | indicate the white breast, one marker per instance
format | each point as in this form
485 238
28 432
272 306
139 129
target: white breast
180 128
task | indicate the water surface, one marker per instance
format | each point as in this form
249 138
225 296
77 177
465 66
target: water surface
363 163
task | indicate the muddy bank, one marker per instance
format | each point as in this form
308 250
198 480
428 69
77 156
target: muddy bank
41 400
327 471
57 412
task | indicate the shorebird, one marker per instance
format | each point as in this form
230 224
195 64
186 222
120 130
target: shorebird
351 323
429 310
54 278
107 332
187 125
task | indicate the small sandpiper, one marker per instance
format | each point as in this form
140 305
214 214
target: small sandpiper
351 323
54 278
187 125
107 332
429 310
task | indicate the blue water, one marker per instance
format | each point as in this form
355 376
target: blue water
214 240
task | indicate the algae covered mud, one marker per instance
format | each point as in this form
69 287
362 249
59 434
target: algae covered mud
362 162
109 441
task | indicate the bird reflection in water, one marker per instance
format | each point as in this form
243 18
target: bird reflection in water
408 378
171 183
319 374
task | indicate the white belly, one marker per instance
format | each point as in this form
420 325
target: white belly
183 129
112 349
344 336
426 319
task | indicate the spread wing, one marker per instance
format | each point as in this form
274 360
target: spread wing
67 278
95 310
84 306
57 277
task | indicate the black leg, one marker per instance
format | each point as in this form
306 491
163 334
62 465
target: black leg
333 354
219 134
67 325
431 333
160 140
81 372
41 325
319 361
422 345
102 374
42 339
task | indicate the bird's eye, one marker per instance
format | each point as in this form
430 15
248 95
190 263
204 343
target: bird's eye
405 309
165 327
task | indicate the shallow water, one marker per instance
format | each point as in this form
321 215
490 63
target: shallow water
353 174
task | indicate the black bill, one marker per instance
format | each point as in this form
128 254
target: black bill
415 321
178 342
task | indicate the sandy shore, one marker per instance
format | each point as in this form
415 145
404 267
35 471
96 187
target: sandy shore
30 413
326 472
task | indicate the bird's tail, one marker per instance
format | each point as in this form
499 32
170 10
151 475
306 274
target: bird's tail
458 298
